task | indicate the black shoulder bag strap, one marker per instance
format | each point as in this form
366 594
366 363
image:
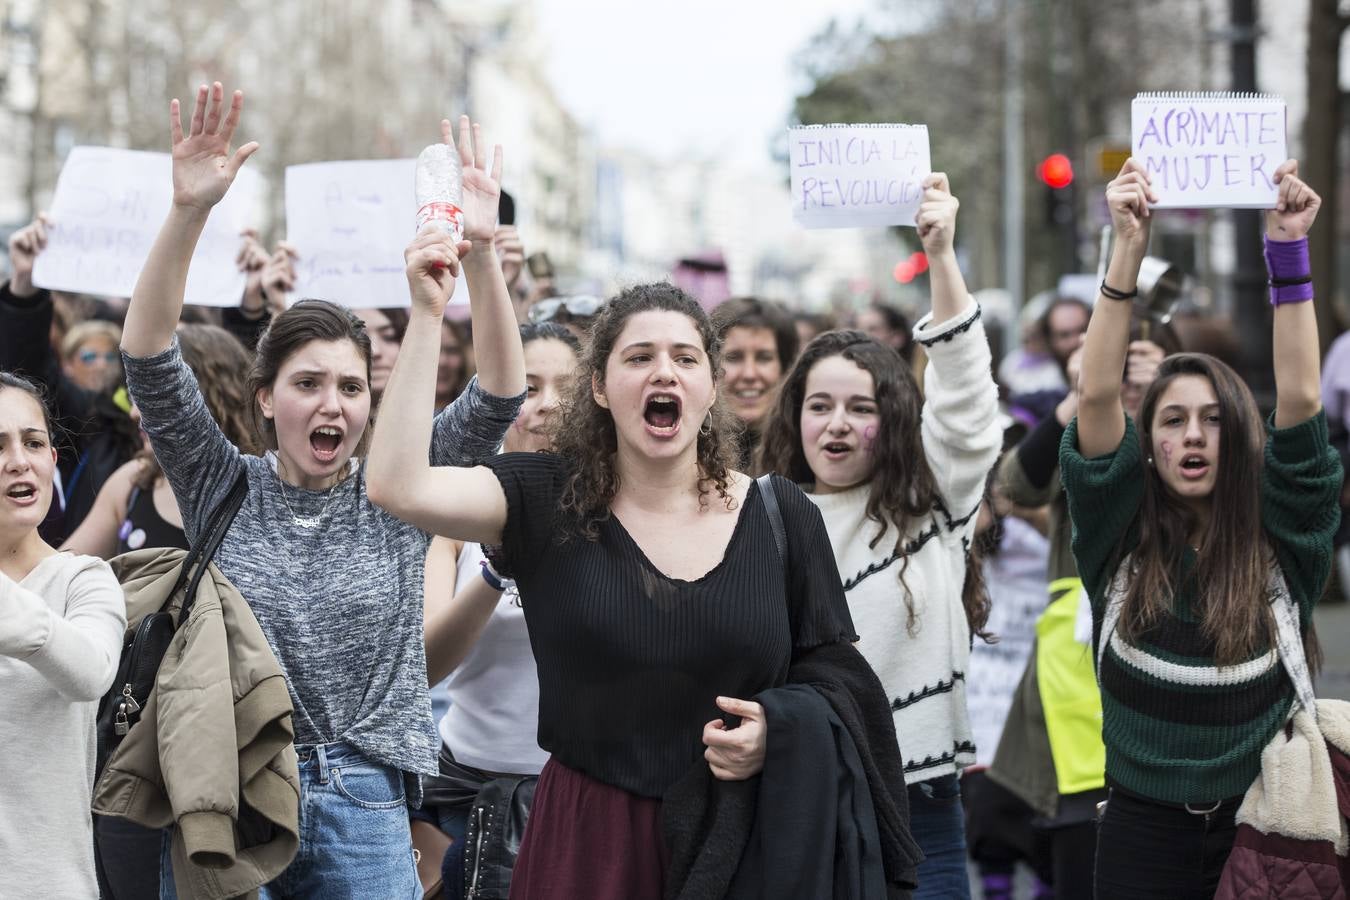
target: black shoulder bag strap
201 554
770 500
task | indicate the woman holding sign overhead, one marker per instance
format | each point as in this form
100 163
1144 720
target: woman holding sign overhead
899 475
1186 525
335 583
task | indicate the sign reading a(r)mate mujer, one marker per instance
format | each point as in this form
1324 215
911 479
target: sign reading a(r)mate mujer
1210 150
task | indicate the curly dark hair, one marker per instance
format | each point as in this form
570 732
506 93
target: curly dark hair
584 434
904 489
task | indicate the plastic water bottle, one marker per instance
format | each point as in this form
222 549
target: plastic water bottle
439 191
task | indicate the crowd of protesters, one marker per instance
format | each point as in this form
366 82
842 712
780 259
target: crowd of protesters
628 599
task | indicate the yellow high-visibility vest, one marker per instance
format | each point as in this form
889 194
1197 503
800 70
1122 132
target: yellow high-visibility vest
1069 694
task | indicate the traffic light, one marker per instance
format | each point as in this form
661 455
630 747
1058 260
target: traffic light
1056 171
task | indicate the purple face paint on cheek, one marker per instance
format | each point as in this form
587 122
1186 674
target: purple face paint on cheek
1167 452
869 437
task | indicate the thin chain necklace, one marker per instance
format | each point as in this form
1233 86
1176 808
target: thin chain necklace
305 521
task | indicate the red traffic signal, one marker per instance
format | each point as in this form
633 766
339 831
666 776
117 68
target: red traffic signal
1055 170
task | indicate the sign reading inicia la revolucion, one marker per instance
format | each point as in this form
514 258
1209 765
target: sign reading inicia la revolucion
1210 151
845 176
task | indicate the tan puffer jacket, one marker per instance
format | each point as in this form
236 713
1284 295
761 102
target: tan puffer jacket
218 762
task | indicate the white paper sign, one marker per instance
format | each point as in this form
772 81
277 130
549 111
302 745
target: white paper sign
350 223
108 208
845 176
1210 151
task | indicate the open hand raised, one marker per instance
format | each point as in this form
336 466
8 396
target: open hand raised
203 166
482 188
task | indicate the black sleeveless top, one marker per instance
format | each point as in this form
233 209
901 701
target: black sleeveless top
631 660
145 527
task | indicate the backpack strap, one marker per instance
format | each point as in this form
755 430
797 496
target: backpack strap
1115 599
770 500
199 557
1289 641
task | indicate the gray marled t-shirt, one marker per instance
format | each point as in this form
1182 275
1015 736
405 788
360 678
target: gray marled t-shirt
341 603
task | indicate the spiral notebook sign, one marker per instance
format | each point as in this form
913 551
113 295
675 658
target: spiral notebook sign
1210 150
846 176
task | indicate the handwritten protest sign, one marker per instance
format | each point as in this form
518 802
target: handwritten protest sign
350 223
845 176
108 207
1210 151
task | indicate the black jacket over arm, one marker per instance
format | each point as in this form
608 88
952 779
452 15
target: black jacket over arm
710 825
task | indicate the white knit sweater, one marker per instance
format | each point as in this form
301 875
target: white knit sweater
924 672
60 637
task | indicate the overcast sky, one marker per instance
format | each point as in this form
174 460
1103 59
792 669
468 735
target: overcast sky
711 76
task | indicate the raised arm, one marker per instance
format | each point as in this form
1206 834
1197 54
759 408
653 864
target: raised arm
1101 416
461 503
466 504
936 222
961 437
1298 394
496 335
203 170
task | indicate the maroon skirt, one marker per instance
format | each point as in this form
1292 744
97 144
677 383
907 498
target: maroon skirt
588 839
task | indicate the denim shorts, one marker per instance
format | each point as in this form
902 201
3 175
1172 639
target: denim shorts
355 843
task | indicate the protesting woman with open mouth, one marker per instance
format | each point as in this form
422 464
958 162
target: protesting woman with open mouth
657 602
335 583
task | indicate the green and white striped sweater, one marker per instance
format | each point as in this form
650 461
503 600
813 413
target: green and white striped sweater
1177 727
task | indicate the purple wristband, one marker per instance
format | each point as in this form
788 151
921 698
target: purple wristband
1288 261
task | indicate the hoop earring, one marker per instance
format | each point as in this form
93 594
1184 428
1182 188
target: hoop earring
706 428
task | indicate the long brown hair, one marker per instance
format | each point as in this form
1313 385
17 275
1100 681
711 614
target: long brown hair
583 433
904 490
1235 556
220 364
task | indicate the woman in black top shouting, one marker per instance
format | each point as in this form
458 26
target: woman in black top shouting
654 593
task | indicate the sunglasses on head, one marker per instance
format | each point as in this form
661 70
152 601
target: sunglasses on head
581 305
89 357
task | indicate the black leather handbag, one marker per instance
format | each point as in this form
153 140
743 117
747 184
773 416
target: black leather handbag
145 645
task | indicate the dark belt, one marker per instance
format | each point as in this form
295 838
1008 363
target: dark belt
1195 808
457 784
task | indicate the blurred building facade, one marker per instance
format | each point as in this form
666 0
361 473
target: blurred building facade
324 79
